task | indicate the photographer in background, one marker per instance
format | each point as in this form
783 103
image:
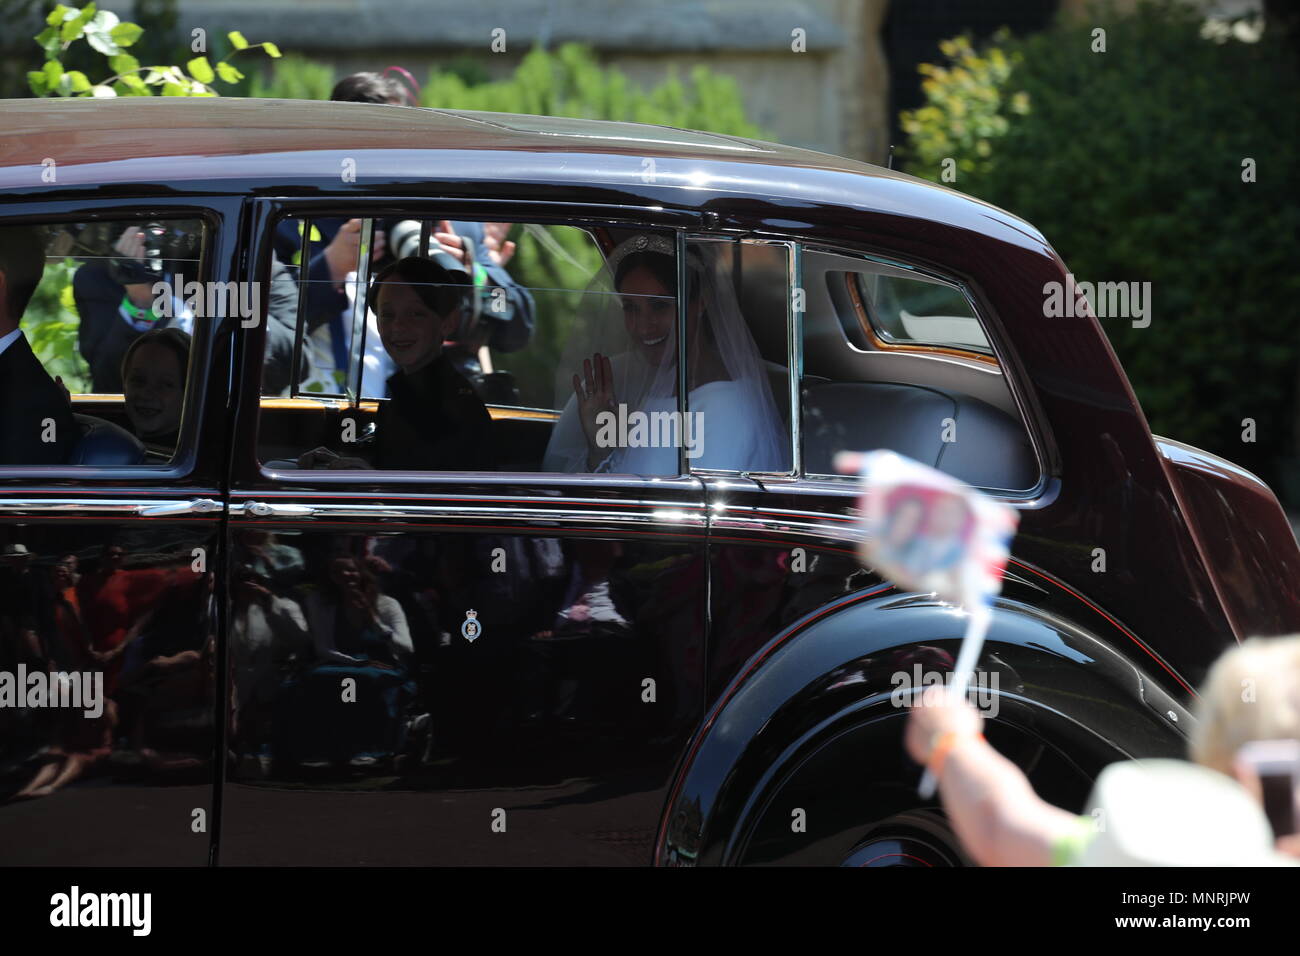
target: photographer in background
115 300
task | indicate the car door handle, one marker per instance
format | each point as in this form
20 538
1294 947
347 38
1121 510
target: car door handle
262 509
196 506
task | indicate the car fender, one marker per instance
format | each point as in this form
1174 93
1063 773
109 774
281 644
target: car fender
854 662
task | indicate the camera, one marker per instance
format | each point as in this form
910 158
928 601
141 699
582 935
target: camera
165 247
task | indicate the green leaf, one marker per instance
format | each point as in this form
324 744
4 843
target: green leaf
201 69
228 73
53 70
71 30
99 33
237 40
271 49
132 82
37 81
57 15
172 88
48 40
80 82
125 34
123 63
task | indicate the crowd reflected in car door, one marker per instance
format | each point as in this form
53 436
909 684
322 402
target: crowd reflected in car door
508 671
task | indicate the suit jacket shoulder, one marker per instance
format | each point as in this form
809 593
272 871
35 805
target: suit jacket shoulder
32 409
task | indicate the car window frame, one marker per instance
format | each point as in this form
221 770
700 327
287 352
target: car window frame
268 211
881 340
220 220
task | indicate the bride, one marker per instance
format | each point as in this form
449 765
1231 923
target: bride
619 378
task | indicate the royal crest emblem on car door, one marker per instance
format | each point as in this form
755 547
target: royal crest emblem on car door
471 629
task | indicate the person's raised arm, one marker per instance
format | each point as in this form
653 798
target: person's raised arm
991 804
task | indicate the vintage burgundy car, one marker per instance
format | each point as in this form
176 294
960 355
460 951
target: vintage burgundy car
323 635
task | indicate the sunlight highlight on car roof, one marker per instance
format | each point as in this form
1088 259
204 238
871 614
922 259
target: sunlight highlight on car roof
604 129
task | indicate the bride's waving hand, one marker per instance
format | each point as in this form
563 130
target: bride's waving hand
594 393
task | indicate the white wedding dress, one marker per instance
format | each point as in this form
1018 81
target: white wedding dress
728 438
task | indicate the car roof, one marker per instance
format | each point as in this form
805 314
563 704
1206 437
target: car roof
160 139
128 127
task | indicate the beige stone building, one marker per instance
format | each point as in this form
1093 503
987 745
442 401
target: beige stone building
812 72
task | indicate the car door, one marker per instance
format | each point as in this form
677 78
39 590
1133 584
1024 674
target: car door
110 643
450 667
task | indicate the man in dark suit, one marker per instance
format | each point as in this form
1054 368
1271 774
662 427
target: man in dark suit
36 424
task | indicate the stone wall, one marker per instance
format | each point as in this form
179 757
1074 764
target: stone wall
833 96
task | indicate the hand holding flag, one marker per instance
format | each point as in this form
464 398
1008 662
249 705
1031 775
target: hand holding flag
927 531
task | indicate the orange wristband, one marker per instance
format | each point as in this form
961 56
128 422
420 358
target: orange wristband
939 752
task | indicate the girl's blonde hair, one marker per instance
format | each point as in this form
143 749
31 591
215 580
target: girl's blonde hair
1251 693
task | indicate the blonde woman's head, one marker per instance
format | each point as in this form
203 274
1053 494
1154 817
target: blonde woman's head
1251 693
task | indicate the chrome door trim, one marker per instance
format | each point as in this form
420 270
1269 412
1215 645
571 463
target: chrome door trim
111 507
672 514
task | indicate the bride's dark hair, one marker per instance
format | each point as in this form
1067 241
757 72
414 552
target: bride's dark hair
663 267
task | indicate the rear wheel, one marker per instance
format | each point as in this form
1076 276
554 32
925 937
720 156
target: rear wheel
920 838
851 800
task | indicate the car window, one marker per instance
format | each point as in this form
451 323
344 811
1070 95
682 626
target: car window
95 345
436 344
913 310
556 350
894 359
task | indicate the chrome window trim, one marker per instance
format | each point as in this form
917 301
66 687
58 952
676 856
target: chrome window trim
794 322
299 333
209 504
683 380
360 306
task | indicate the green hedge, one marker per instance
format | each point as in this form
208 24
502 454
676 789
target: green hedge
1130 161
